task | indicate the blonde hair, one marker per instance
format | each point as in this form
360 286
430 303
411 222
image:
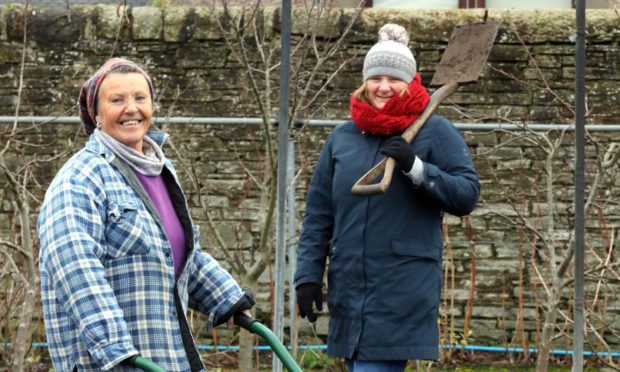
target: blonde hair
361 93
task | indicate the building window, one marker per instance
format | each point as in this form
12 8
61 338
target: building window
464 4
530 4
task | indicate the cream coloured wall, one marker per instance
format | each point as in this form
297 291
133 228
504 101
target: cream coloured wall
493 4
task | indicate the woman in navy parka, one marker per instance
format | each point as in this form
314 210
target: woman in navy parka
385 251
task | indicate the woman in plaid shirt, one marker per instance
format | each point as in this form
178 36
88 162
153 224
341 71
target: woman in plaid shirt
120 259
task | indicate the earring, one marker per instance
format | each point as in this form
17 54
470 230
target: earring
98 125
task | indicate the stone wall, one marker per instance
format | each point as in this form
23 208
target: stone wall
183 50
490 263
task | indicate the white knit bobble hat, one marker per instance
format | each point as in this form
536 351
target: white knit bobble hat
390 56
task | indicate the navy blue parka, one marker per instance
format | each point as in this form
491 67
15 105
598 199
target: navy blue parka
385 251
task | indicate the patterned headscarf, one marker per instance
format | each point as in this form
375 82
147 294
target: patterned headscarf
90 89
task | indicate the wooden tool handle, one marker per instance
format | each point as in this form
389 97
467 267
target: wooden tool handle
364 185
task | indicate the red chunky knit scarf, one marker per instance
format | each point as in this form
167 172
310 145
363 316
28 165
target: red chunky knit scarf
397 114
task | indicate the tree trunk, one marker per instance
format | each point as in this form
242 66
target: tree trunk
22 341
247 339
246 348
544 349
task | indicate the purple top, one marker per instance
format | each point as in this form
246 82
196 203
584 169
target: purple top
156 188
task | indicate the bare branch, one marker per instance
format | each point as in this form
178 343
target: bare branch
15 269
15 247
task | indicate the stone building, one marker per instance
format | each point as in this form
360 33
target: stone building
493 294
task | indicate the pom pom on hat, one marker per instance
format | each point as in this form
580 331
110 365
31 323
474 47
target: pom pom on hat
390 55
87 100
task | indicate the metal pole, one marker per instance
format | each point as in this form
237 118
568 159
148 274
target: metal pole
291 238
580 52
283 138
184 120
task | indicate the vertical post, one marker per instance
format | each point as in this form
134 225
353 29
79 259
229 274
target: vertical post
283 118
291 238
580 52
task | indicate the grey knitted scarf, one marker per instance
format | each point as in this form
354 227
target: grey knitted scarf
149 163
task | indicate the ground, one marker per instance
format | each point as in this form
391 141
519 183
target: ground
460 362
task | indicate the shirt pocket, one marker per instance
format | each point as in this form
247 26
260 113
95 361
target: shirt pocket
125 233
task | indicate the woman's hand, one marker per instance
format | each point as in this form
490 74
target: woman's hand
308 293
399 149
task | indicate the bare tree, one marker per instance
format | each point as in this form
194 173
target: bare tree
540 212
545 220
253 43
537 189
19 249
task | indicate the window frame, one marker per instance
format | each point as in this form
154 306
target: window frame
471 4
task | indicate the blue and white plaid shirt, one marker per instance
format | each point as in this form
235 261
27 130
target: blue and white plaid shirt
107 278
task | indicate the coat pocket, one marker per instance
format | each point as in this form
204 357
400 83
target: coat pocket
124 232
421 250
337 295
410 280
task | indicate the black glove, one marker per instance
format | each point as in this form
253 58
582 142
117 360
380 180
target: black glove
306 294
246 302
397 148
131 361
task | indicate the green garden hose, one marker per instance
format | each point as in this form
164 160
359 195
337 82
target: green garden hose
147 365
251 325
260 329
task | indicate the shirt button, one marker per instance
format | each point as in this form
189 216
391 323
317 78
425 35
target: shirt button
431 184
167 254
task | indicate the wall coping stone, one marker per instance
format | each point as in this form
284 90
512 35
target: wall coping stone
184 23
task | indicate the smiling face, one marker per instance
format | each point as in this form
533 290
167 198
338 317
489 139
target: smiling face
125 108
381 88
